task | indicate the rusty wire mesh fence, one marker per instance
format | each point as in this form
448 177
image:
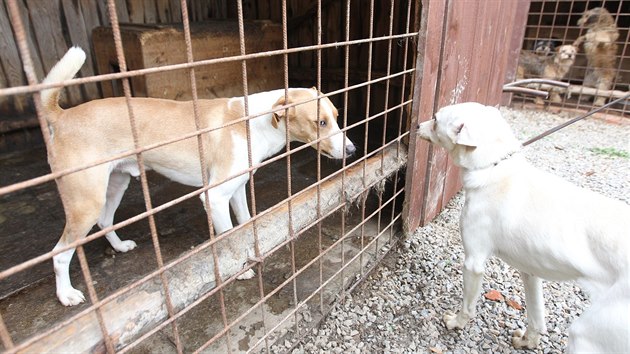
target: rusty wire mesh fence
317 226
583 43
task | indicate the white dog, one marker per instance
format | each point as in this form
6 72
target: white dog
538 223
101 128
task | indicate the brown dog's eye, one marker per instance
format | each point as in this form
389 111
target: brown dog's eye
322 123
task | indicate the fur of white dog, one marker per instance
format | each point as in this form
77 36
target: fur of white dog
101 128
543 226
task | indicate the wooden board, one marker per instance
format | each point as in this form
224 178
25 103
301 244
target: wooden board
79 36
10 60
470 66
50 39
425 85
150 46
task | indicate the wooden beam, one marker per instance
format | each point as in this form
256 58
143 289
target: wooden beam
142 308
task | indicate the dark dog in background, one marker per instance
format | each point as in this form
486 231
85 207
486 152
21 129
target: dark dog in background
600 49
546 47
554 67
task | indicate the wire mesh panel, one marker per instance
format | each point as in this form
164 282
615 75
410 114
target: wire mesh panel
583 43
299 172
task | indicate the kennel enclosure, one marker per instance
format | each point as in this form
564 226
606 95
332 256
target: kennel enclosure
318 226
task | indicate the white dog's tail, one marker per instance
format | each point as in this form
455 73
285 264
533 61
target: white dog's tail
65 69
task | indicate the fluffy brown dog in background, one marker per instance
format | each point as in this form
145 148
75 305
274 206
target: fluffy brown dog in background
600 48
549 67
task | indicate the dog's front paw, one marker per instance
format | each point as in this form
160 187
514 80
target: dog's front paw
452 320
525 340
70 297
247 275
125 246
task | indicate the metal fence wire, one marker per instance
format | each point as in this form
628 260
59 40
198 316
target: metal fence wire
317 226
583 43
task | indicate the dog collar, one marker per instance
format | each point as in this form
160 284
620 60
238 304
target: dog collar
507 156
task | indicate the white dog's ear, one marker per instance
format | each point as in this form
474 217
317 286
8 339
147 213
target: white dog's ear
464 135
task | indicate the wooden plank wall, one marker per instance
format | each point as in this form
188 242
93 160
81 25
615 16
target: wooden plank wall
466 50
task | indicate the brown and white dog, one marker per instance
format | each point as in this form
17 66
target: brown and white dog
600 48
101 128
553 67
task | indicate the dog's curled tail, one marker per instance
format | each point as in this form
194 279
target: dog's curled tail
65 69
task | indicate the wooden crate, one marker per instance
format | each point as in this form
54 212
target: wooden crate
148 46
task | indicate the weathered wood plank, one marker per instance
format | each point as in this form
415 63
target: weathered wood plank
501 49
79 36
479 61
136 11
122 11
448 93
150 12
518 33
475 58
464 86
424 100
10 60
30 38
163 11
48 30
176 11
89 9
5 104
142 308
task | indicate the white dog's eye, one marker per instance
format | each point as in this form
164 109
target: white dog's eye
322 123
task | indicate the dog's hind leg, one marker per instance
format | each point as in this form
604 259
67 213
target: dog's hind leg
535 314
238 202
83 197
605 326
116 188
473 275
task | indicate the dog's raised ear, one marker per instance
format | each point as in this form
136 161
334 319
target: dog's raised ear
276 116
465 135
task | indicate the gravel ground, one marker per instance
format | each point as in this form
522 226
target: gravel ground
399 307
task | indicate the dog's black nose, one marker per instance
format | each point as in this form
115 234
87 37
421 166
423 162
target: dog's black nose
350 149
418 126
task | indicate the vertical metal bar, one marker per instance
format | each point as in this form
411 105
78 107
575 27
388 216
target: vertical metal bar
241 33
346 74
580 95
29 71
319 153
94 299
564 102
204 171
404 78
367 125
384 140
292 235
402 100
619 66
5 336
111 6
